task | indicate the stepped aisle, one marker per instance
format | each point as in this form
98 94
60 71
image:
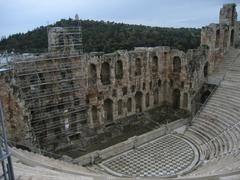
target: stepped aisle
216 130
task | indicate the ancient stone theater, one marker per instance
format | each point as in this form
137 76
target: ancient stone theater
147 113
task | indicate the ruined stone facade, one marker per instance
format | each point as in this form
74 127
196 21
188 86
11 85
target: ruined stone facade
124 83
69 95
220 37
14 112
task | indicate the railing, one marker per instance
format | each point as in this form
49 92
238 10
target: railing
5 155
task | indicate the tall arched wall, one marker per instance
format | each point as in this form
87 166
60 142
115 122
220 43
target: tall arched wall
157 83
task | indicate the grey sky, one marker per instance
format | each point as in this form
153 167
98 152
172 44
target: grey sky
23 15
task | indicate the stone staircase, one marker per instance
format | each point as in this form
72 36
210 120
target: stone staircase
222 67
216 130
30 166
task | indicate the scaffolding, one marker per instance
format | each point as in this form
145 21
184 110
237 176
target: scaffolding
53 91
65 40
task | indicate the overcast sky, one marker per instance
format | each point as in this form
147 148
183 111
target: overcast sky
23 15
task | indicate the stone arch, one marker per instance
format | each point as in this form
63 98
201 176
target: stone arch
147 100
129 105
225 38
176 64
119 70
205 69
155 64
138 101
176 98
155 97
105 73
120 107
138 66
232 38
185 100
92 74
94 115
217 38
108 110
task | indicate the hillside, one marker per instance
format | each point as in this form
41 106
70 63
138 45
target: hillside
107 37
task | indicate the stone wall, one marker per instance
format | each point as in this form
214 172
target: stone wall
68 98
14 112
124 83
51 88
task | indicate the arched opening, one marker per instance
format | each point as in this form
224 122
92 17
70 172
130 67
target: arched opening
138 100
171 83
138 67
133 88
144 86
176 64
125 90
130 70
92 74
147 100
232 38
225 39
217 38
129 105
205 70
155 64
159 83
150 85
94 115
108 111
165 88
185 100
182 84
120 104
155 97
119 70
205 96
105 73
176 99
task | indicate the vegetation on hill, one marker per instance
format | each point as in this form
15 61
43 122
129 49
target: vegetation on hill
107 37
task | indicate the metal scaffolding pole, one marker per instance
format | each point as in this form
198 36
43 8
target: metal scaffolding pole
5 155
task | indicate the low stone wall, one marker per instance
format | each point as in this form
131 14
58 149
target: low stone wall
132 142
